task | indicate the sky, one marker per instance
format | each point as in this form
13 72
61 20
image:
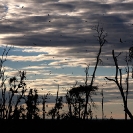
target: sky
53 40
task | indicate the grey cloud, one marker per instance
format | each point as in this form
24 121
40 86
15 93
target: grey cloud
63 7
71 30
3 11
122 6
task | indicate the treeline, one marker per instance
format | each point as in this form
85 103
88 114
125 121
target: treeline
78 99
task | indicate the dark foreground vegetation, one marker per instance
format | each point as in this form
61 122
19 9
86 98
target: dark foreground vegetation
66 126
17 102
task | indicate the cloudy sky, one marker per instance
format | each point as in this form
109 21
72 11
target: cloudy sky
53 40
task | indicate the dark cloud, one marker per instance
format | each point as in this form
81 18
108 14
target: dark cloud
63 7
69 24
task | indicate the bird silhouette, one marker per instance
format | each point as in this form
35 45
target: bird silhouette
121 40
34 43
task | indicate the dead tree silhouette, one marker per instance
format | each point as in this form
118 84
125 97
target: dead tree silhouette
55 111
44 98
101 35
118 81
102 104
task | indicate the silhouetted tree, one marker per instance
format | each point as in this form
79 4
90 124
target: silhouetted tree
16 89
75 99
102 104
31 103
44 98
55 111
118 81
101 35
3 99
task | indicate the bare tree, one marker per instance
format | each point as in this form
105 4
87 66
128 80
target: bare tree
101 35
102 104
55 111
44 98
3 87
118 81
